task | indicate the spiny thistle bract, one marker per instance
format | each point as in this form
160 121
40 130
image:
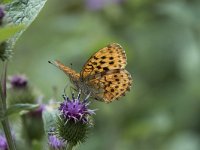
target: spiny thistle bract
74 120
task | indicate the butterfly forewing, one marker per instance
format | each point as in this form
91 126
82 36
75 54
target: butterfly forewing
108 58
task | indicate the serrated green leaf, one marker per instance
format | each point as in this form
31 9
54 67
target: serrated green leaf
9 31
22 12
49 120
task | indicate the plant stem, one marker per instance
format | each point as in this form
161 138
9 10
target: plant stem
70 147
3 107
8 134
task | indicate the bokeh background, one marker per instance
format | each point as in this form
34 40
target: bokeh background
161 39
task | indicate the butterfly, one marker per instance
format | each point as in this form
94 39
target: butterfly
103 76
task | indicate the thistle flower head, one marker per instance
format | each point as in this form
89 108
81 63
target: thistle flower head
55 143
3 143
76 109
74 120
18 81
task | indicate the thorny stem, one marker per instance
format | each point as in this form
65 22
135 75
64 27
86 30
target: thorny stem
3 107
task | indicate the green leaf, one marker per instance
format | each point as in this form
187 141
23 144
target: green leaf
22 12
20 107
49 119
8 31
5 1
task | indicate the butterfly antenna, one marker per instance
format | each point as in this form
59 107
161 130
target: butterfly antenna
71 65
52 62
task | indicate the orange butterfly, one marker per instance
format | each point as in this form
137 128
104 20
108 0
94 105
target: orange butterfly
103 76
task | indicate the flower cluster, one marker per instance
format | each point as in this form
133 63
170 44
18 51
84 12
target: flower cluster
75 109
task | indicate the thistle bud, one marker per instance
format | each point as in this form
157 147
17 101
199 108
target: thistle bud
20 91
33 124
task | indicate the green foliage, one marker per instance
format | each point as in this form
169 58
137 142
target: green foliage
21 14
5 1
13 109
8 31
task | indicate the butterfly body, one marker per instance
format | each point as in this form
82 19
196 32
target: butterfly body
103 76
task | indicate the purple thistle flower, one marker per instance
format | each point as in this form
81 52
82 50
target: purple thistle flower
3 143
75 109
18 81
56 143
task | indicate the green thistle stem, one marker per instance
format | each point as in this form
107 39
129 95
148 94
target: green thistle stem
70 146
8 134
3 107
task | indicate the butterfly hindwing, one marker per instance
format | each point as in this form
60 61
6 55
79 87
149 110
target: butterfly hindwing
114 84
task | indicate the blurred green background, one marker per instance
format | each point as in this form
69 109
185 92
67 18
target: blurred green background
161 39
